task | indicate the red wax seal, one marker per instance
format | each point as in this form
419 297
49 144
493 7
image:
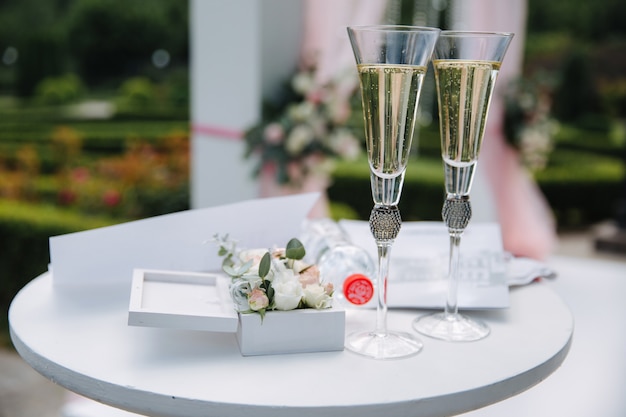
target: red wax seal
358 289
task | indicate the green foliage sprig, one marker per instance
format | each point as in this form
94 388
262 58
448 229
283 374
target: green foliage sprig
528 124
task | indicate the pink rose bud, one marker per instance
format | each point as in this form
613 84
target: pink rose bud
258 299
309 276
315 96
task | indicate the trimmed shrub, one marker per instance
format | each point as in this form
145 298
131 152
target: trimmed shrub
137 91
583 188
59 90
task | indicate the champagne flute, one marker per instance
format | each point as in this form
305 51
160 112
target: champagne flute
466 65
391 61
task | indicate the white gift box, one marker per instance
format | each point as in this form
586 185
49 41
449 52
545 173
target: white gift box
295 331
201 301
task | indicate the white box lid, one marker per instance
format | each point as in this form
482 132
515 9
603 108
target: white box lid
183 300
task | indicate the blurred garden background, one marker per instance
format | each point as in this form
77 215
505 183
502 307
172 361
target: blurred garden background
94 121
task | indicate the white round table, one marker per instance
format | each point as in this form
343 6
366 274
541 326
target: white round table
80 339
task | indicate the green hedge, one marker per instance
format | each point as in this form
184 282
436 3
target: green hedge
593 134
24 250
98 138
581 188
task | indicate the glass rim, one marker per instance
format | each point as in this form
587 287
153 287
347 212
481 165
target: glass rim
475 33
394 28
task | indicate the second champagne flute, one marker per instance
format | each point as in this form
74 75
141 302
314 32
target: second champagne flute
391 61
466 66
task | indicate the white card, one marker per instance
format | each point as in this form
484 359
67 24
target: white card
179 241
419 265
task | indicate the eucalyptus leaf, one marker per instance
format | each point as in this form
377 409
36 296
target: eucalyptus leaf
295 249
228 261
245 267
265 265
234 270
229 270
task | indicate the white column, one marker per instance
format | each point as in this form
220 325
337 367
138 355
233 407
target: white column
241 51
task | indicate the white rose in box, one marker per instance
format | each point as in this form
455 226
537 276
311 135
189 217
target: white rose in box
274 279
317 296
287 294
282 304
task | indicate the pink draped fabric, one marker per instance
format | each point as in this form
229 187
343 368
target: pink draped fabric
326 47
527 223
326 44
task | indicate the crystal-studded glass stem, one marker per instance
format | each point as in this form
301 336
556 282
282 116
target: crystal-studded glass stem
385 223
450 325
381 343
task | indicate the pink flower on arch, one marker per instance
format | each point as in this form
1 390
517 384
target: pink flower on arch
274 133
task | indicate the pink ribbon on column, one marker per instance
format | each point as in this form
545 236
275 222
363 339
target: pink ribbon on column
218 131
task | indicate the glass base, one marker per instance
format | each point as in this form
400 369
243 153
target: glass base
451 327
393 345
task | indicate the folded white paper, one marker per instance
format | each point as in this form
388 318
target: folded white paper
419 265
178 241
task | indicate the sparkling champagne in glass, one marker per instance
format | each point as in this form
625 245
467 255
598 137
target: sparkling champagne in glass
390 94
391 61
466 65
